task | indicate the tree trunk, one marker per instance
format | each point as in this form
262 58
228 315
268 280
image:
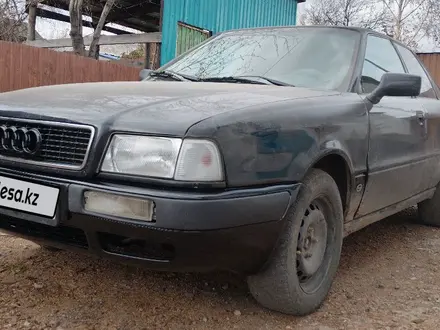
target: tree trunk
32 20
93 50
76 31
398 28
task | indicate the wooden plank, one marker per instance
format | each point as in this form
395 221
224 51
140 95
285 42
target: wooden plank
432 63
139 38
161 15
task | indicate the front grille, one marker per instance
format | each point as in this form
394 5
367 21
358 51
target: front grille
62 145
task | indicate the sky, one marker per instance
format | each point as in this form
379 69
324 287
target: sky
50 29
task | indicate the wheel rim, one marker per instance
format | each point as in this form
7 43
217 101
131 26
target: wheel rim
311 251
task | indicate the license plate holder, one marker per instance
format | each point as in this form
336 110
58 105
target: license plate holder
28 200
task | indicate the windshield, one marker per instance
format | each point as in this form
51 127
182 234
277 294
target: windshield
305 57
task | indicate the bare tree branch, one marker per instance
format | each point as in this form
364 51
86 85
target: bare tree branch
361 13
93 50
413 20
13 20
76 10
409 21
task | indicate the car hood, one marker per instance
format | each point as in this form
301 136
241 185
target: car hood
156 107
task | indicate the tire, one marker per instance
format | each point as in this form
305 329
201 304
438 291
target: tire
298 283
429 210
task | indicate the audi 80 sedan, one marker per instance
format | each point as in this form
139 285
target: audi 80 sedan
255 152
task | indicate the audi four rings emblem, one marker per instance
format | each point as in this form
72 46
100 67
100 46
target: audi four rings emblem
20 140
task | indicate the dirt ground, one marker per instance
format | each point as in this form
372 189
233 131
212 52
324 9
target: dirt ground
389 278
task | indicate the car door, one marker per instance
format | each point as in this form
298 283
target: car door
431 104
397 133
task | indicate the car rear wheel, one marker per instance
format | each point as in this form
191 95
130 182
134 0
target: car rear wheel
429 210
300 274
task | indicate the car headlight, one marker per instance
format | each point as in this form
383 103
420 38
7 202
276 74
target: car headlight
160 157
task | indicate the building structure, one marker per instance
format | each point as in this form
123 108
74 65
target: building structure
177 25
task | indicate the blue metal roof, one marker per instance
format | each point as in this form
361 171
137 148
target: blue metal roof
221 15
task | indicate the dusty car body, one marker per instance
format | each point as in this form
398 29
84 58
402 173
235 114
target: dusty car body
255 152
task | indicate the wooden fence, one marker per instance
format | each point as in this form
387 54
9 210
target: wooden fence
24 66
432 63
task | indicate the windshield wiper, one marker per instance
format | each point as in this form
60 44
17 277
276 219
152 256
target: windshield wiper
247 80
232 79
173 75
272 81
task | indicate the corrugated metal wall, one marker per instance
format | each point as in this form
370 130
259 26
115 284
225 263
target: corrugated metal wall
432 63
221 15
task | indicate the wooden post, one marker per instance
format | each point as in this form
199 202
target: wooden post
161 15
147 55
158 49
159 44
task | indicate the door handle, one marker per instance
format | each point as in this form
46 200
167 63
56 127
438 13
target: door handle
421 119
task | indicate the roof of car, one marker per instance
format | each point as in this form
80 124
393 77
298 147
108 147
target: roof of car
291 27
353 28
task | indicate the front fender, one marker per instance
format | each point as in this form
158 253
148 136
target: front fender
331 147
279 146
272 156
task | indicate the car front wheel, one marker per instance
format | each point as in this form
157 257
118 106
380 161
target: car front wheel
300 274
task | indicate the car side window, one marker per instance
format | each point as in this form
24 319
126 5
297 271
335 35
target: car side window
380 57
414 67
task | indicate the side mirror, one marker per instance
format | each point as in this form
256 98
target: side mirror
144 73
396 84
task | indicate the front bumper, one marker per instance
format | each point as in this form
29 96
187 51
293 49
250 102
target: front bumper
233 230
